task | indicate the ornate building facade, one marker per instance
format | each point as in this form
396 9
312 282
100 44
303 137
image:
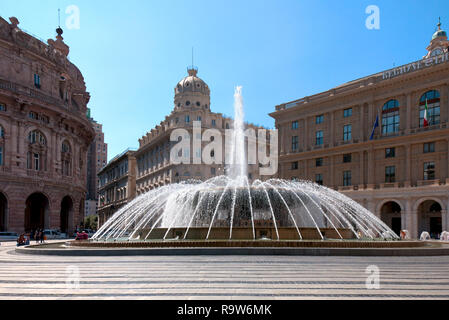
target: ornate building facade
191 103
399 168
44 133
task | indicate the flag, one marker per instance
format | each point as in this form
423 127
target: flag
376 124
426 121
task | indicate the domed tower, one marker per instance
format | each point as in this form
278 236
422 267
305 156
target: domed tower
439 43
192 93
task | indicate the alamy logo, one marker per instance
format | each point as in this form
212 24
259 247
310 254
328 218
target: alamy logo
73 20
212 153
73 276
373 20
373 279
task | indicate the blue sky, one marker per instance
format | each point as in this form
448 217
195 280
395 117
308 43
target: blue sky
132 53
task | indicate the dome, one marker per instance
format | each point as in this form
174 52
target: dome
192 83
439 33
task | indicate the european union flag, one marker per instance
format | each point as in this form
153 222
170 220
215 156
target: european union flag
376 124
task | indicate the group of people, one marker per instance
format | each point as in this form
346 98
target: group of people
23 240
39 236
82 236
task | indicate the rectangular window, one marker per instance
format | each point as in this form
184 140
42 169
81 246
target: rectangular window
319 119
36 162
198 118
212 171
347 132
319 179
347 178
1 156
390 153
319 162
390 122
347 158
214 123
429 171
295 125
347 113
2 107
429 147
295 165
32 115
295 143
187 118
390 174
319 138
37 81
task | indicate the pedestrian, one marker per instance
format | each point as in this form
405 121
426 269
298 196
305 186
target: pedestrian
36 235
42 236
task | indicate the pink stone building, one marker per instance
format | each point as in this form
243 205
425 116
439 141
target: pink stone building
44 133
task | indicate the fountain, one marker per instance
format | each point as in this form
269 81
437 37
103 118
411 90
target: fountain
425 236
230 208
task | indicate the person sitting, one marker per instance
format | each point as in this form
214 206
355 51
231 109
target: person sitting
21 240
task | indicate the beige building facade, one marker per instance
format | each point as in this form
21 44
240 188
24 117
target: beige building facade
400 170
117 185
44 133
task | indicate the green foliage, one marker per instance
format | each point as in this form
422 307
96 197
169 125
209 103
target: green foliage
91 222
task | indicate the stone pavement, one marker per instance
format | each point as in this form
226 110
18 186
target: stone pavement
219 277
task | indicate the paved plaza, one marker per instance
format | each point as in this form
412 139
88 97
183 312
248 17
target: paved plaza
219 277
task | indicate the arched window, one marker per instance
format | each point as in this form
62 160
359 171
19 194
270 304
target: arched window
390 117
66 158
37 151
65 147
37 137
432 99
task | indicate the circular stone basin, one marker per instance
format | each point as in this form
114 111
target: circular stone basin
247 248
250 244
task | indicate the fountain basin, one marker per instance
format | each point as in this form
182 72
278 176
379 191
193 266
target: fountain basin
243 233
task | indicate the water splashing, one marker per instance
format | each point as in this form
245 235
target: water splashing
230 207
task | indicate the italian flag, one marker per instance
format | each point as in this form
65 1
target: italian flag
426 121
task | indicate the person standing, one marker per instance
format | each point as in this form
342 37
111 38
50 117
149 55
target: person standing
36 235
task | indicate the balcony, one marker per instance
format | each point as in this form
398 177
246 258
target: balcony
422 183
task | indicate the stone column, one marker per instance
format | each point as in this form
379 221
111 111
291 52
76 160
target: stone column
362 125
408 165
414 224
371 206
371 168
332 172
361 168
281 138
332 129
406 217
409 113
444 222
447 160
445 218
306 134
306 170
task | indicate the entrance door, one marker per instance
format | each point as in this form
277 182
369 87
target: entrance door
435 226
36 212
3 212
396 225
